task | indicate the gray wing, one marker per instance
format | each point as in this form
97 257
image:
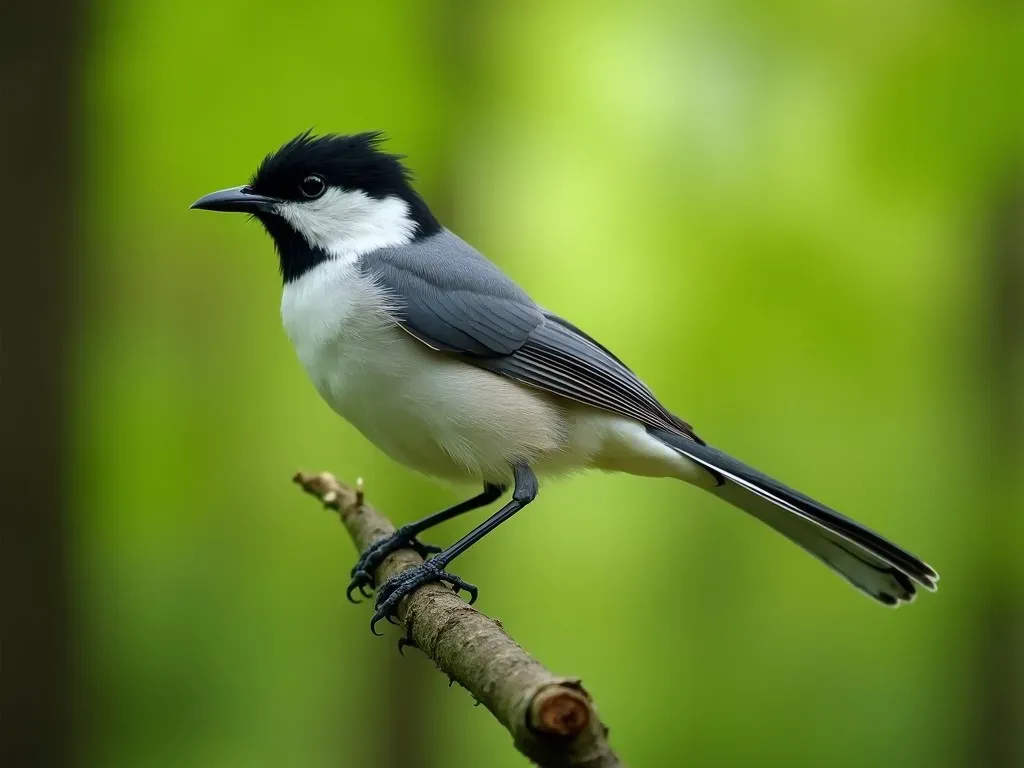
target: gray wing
454 300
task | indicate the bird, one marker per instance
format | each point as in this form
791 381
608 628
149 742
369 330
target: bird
448 366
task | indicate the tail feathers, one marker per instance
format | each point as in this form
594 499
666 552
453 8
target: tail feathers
857 565
867 560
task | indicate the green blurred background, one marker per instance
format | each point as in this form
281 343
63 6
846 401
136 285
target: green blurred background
799 221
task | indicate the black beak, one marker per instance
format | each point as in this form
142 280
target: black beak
236 199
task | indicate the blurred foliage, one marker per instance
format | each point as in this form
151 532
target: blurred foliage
771 211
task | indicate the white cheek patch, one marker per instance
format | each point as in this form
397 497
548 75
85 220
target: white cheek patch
350 223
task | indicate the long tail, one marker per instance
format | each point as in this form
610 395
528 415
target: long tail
869 562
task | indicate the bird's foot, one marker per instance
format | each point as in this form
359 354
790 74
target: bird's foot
405 583
362 572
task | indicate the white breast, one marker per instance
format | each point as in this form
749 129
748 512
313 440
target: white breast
424 409
340 324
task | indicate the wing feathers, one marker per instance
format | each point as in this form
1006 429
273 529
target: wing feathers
452 299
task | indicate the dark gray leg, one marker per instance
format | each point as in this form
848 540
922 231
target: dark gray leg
394 589
372 556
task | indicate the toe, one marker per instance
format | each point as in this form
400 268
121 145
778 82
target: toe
465 586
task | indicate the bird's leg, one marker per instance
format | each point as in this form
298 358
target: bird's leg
372 556
399 586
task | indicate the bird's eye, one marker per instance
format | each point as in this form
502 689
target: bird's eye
312 186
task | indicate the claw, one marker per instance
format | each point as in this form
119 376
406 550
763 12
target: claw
350 590
465 586
405 642
377 616
360 579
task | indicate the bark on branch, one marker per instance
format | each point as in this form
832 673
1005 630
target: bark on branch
552 719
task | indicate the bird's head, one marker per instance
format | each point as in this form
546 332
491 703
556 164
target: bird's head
325 197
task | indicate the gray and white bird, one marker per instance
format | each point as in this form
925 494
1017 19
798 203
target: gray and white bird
450 368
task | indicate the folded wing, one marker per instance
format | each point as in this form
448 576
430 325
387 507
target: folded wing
452 299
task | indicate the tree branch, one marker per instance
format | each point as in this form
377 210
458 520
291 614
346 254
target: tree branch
552 719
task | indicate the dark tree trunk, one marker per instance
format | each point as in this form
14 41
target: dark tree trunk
999 648
40 69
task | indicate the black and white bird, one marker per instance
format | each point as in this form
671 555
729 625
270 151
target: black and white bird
450 368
